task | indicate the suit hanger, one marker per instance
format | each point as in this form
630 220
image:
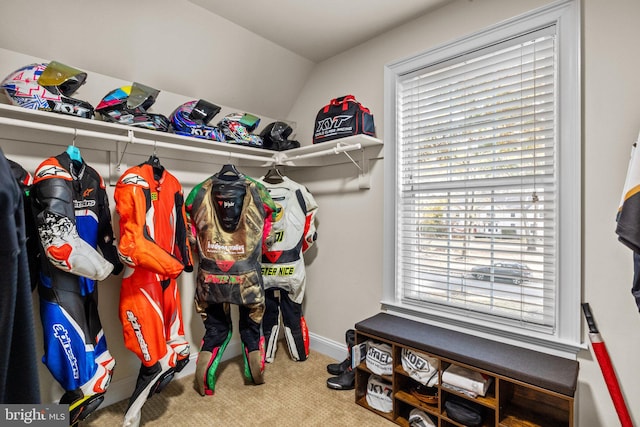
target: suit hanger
154 161
73 151
274 176
229 171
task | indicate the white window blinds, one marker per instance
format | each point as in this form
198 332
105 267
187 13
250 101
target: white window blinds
476 197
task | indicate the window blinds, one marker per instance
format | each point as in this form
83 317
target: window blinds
476 204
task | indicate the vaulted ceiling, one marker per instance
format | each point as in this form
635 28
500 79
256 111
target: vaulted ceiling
318 30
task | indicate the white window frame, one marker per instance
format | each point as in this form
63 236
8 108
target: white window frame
565 340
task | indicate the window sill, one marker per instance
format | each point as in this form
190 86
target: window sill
526 339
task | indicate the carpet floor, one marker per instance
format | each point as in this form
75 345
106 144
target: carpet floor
294 394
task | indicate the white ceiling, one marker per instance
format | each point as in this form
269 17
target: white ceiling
319 29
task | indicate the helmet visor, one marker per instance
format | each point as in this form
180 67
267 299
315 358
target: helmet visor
141 96
250 121
203 112
64 77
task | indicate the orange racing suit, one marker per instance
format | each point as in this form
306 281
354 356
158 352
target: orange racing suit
154 248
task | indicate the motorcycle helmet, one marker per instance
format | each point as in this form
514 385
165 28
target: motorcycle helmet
274 137
192 119
237 128
48 87
128 105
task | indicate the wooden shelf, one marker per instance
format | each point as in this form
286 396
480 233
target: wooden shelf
42 127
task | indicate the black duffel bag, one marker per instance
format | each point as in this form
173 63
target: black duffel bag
343 117
464 411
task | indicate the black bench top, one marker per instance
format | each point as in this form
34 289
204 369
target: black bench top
550 372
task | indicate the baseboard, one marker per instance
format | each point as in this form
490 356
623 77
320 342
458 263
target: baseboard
122 389
327 347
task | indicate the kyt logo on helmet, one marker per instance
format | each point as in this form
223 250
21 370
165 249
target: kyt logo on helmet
48 87
192 119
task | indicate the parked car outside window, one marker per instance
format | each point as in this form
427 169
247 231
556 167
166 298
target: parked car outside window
512 272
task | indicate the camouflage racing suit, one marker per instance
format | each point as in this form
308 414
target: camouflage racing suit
231 219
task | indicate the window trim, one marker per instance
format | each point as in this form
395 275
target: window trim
566 341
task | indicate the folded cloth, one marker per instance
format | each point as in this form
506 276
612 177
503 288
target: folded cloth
471 394
467 379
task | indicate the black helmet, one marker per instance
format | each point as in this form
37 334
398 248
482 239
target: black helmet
275 135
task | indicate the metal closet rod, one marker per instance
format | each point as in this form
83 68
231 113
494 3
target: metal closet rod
131 138
339 148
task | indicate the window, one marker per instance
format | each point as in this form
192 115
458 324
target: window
483 195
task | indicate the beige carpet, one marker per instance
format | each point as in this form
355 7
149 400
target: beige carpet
294 394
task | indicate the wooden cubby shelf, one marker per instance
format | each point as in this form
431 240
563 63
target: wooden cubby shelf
527 388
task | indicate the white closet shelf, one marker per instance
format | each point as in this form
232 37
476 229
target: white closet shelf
21 124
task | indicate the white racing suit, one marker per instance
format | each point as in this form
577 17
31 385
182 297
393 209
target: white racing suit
283 269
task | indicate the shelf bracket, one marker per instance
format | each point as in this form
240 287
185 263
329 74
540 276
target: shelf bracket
364 181
116 166
364 177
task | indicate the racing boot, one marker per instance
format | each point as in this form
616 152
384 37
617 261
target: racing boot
254 363
339 368
206 367
80 406
86 399
151 379
344 381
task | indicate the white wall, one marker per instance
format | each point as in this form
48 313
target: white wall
345 267
171 45
611 114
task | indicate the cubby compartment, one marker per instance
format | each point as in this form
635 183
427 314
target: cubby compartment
488 399
404 412
489 419
522 405
406 390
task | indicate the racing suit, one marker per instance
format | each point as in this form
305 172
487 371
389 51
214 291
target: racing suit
154 248
230 219
72 217
283 269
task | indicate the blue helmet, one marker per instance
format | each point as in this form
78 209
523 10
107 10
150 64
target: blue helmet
192 119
